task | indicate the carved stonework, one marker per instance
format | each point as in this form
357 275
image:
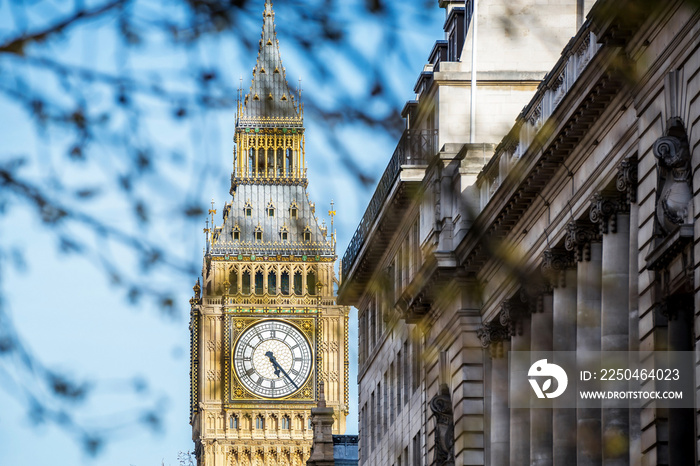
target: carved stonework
579 238
675 190
555 262
627 179
513 311
492 334
441 405
604 210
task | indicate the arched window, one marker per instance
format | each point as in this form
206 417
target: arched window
245 283
259 422
258 233
233 422
270 162
290 161
307 234
237 233
311 283
280 161
272 283
233 282
297 284
251 161
261 162
258 283
284 285
285 422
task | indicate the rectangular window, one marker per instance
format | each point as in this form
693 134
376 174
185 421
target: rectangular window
392 392
416 359
399 382
373 421
406 373
380 430
372 324
385 415
416 450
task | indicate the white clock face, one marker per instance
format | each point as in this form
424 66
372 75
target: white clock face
272 359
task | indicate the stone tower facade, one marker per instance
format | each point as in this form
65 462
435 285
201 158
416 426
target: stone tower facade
265 325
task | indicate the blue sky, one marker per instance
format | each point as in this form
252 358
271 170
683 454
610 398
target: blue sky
72 316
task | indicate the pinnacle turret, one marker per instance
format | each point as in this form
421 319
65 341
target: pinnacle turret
269 101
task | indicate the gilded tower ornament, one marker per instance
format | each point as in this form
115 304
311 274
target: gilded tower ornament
269 305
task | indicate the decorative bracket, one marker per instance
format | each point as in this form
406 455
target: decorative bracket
555 262
604 210
579 238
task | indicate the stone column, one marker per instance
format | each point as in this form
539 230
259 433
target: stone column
515 317
626 183
678 308
541 419
559 268
584 241
496 338
611 213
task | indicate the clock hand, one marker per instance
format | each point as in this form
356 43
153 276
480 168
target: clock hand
272 359
279 368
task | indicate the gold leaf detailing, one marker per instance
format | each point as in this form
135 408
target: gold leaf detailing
255 97
269 42
284 97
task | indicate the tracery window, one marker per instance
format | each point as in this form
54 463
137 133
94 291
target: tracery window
245 283
297 284
272 282
258 283
311 283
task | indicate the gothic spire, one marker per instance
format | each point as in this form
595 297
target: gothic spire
269 101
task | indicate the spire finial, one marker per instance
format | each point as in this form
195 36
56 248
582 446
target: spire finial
331 213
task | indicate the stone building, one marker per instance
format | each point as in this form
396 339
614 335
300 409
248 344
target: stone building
572 230
265 326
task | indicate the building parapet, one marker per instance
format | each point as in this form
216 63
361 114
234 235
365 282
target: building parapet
416 147
550 93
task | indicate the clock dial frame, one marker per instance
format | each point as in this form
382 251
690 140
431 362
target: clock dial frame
272 359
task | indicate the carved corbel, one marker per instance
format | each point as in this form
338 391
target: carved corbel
492 335
672 153
626 182
555 262
513 312
604 210
579 238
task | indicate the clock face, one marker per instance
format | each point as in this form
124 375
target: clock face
272 359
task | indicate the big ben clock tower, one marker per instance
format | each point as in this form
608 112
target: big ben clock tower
265 326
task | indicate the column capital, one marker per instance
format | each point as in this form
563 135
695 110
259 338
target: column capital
513 311
579 237
626 181
493 332
604 209
555 262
